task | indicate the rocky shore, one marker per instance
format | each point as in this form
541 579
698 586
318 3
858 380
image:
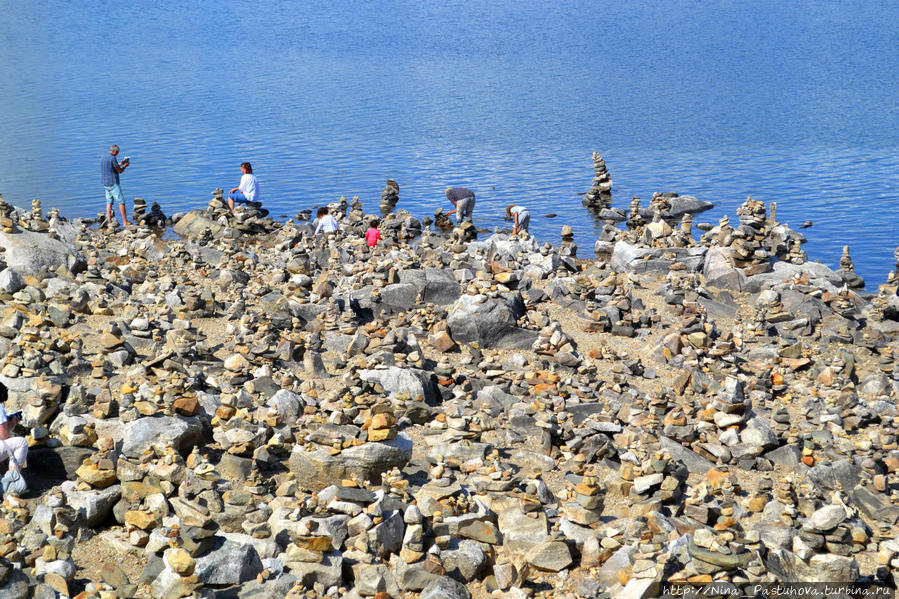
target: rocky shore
245 411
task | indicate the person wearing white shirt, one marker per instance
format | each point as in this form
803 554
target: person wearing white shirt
248 190
326 222
15 448
520 215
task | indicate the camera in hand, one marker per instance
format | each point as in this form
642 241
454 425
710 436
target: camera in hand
127 159
17 415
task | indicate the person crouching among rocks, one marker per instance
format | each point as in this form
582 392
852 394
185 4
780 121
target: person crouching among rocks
326 222
520 216
248 190
13 448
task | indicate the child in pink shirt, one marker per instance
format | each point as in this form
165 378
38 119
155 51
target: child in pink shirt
372 235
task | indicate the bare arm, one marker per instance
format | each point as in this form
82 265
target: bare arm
7 427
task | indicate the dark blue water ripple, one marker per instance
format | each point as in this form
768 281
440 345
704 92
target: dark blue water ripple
787 102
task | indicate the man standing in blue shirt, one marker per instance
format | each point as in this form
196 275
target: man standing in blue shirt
110 169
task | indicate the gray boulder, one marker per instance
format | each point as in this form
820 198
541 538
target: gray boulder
29 252
720 272
414 382
328 572
11 281
445 588
93 506
317 469
287 404
490 322
679 206
195 222
823 567
399 296
161 431
228 563
437 286
631 258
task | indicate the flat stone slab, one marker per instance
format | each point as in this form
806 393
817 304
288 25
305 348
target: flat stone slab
317 469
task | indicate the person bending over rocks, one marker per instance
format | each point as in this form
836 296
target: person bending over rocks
248 190
463 200
520 215
326 222
14 448
110 168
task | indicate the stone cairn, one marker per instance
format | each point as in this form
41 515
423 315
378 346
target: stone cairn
847 271
749 236
389 197
154 218
247 218
7 212
797 255
600 195
140 209
35 222
635 220
569 247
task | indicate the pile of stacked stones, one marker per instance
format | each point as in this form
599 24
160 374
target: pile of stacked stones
247 218
599 198
154 218
389 197
847 271
36 221
7 216
280 416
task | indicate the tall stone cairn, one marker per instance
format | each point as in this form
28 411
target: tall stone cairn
389 197
749 236
600 194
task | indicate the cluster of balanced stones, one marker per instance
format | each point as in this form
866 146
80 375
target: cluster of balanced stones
7 216
389 197
259 413
599 198
154 218
35 221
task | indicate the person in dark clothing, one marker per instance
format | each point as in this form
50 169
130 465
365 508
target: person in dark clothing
463 200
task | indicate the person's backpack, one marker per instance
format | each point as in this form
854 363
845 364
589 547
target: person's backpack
13 481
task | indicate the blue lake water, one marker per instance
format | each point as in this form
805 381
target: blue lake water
793 102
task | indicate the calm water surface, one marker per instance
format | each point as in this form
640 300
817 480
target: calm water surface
787 102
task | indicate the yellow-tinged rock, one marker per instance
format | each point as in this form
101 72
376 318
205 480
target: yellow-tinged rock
716 478
314 543
140 519
96 477
381 434
146 408
57 583
180 561
383 420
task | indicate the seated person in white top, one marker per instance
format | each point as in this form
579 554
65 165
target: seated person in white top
14 447
248 190
326 222
520 215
